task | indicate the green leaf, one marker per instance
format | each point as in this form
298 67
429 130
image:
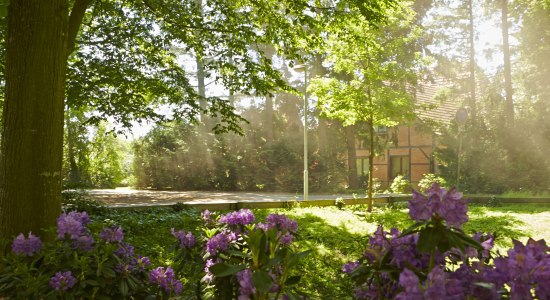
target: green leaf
469 241
428 239
223 269
262 281
108 273
123 287
412 229
292 280
295 258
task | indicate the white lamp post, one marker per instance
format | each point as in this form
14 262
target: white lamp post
303 68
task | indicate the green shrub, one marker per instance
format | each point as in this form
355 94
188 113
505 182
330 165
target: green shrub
400 185
428 179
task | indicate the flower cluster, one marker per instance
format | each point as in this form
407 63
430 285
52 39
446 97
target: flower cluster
73 226
256 258
523 274
166 280
526 268
219 243
62 281
118 261
26 246
397 252
281 222
439 203
241 217
112 234
187 240
246 286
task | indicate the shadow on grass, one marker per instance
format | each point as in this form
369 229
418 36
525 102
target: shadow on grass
505 227
333 246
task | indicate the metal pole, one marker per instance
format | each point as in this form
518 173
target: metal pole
306 109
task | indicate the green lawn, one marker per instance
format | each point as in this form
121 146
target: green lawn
336 236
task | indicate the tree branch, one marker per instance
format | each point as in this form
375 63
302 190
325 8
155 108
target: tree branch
75 20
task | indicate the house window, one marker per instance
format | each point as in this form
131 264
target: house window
399 165
362 164
382 130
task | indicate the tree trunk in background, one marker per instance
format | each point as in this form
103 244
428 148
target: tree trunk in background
323 143
269 118
371 164
473 110
201 86
74 175
352 158
32 136
507 64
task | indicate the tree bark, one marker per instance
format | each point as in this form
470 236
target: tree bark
269 119
37 48
473 110
507 64
32 136
352 157
74 175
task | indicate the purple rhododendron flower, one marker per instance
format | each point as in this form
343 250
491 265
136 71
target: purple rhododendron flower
165 279
542 274
418 207
448 205
286 239
62 281
219 242
73 224
125 250
241 217
26 246
143 261
350 267
83 242
187 240
112 234
409 281
125 268
281 222
435 285
209 276
246 286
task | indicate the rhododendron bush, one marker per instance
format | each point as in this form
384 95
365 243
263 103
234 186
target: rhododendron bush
236 257
435 259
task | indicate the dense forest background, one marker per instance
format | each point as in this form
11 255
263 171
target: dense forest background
505 85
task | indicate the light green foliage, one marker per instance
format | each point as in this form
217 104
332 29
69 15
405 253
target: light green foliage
400 185
93 156
376 67
180 156
428 180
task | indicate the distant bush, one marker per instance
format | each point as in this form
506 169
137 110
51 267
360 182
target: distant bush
428 180
400 185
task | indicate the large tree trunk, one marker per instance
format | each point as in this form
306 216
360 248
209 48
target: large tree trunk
41 35
32 136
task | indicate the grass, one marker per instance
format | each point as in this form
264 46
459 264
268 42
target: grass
335 236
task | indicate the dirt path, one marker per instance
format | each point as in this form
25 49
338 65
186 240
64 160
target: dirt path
130 197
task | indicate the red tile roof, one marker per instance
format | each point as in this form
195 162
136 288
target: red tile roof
431 106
